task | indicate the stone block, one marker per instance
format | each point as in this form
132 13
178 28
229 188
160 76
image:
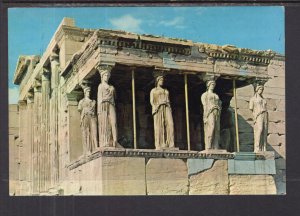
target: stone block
247 91
276 139
274 91
109 176
213 181
271 104
276 116
251 167
166 177
276 70
276 82
198 165
276 128
251 184
280 105
244 156
241 103
280 151
245 114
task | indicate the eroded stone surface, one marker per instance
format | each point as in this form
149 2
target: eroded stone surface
166 176
251 184
211 181
198 165
109 176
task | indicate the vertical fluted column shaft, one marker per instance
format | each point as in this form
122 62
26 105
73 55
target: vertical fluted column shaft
36 136
54 148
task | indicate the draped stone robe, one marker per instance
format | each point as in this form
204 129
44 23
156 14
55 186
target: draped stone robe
163 120
211 118
107 116
258 105
88 124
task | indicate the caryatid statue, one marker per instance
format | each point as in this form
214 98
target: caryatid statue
88 121
211 116
162 115
107 120
258 106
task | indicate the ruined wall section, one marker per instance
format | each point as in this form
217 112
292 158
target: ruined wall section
13 135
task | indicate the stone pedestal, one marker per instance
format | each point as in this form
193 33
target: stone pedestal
166 176
212 181
108 176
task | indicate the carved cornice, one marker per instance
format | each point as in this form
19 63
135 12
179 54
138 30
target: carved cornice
20 72
238 54
149 153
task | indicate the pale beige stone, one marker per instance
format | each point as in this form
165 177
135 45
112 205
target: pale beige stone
213 181
276 82
211 116
276 128
162 115
276 116
280 105
271 104
109 176
251 184
245 114
274 91
166 177
246 91
280 150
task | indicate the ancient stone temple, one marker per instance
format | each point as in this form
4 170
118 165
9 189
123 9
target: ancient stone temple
105 112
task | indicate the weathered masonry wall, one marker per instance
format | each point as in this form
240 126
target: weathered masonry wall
13 135
274 92
168 176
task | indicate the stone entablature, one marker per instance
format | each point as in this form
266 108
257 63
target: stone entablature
175 154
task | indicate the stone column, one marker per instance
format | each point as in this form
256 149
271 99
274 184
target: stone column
22 157
54 148
73 124
29 138
44 147
36 135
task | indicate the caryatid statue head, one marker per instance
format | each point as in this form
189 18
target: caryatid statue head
87 91
210 85
105 72
159 81
259 89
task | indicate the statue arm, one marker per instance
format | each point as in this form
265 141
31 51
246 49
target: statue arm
203 99
251 105
80 106
151 98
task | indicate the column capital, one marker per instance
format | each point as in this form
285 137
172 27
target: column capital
37 85
22 103
45 73
104 67
209 76
54 57
259 82
158 71
30 97
73 97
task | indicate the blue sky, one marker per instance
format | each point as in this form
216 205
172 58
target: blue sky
260 28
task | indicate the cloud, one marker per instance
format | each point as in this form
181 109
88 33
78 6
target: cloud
177 22
127 23
13 94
